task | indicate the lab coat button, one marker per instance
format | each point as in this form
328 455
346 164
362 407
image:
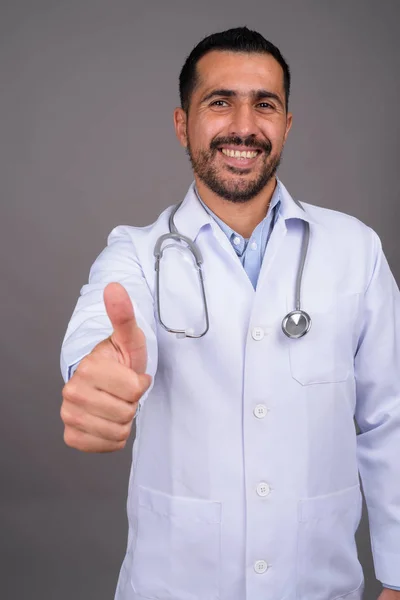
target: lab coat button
260 566
260 411
263 489
257 333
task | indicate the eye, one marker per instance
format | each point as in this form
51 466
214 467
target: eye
265 105
218 103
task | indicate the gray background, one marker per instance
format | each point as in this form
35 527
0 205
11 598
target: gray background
87 143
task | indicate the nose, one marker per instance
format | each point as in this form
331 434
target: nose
243 121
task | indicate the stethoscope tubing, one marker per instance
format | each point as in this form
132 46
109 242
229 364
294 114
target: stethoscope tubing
294 325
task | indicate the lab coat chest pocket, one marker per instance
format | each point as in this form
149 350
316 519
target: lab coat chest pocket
325 353
177 550
327 563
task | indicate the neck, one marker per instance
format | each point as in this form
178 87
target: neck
242 217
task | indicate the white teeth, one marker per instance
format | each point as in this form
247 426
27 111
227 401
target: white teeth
238 154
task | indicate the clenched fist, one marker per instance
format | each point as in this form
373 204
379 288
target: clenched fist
101 398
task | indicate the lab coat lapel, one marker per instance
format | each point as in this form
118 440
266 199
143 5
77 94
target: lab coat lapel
194 221
276 283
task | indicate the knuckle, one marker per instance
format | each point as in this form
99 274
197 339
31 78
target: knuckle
70 437
122 433
75 394
85 367
63 413
76 420
144 384
66 416
70 390
139 386
71 418
127 414
132 411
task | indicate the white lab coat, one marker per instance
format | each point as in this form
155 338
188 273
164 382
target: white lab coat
245 473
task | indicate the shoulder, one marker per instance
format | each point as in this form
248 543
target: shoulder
140 234
332 219
133 246
352 244
346 230
339 230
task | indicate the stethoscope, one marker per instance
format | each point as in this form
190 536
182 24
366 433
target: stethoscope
294 325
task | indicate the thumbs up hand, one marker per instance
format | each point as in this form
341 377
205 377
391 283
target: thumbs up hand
101 398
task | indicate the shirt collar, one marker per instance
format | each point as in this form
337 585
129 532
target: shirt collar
292 209
192 217
275 200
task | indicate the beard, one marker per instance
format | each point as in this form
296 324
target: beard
235 189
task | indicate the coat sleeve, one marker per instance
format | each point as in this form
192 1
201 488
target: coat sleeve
377 371
90 324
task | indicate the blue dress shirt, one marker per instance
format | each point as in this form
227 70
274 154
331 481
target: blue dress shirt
251 250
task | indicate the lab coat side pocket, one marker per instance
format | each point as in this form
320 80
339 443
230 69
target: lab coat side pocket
327 560
177 552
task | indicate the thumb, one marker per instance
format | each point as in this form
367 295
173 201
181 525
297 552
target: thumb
127 337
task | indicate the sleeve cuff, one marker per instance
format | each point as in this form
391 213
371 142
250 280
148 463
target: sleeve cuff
72 369
386 565
391 587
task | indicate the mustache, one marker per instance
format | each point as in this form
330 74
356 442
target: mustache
249 141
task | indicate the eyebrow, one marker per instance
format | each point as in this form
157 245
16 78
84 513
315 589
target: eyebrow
255 95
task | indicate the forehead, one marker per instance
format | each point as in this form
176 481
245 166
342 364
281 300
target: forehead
239 71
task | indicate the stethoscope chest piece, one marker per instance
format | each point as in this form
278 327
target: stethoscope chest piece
296 324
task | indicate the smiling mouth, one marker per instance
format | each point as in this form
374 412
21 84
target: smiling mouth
240 154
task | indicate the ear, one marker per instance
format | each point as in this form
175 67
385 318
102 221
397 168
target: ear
180 123
289 121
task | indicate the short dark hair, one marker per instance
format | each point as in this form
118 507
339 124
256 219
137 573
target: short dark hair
240 39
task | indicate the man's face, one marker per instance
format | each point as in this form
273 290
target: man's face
238 106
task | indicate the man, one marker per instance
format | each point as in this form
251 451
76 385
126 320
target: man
244 480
